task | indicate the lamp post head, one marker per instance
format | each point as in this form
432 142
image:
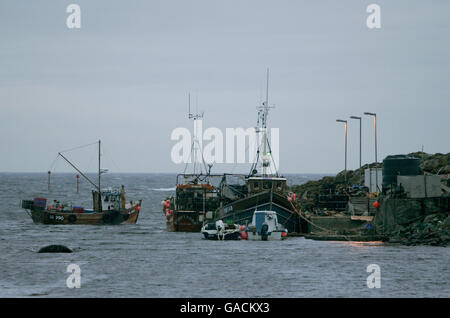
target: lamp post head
341 121
355 117
370 114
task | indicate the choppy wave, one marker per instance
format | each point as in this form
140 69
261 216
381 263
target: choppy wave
164 189
145 260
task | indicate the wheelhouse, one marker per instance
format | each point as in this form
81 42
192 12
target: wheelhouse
258 184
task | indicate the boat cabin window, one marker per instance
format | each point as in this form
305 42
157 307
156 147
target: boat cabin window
110 198
266 184
211 226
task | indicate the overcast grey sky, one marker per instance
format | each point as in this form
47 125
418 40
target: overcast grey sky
124 77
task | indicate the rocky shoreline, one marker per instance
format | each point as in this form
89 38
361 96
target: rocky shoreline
413 223
434 230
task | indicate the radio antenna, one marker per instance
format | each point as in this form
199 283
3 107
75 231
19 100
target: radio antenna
196 147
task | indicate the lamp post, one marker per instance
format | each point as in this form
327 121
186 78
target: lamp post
345 122
359 118
376 161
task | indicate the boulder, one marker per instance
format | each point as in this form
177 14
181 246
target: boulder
431 165
55 249
445 170
430 218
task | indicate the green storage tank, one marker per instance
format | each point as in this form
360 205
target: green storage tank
399 165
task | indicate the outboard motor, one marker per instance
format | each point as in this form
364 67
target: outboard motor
220 230
264 232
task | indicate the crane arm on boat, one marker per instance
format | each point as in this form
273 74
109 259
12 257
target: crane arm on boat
81 173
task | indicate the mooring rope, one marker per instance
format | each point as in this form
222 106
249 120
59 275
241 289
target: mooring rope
310 222
53 163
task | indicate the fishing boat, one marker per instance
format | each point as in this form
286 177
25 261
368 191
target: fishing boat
265 227
194 203
110 206
221 231
196 197
263 189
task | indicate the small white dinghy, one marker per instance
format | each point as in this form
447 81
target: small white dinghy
265 227
221 231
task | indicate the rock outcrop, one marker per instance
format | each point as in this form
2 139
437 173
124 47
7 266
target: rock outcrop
402 220
434 229
308 192
433 164
55 249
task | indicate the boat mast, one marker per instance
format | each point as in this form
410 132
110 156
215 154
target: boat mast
263 112
264 123
99 167
196 146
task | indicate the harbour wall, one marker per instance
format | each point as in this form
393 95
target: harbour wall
334 224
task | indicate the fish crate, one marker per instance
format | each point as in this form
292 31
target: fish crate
27 204
39 202
78 209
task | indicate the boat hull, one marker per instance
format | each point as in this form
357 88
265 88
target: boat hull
241 211
129 216
185 221
236 236
272 236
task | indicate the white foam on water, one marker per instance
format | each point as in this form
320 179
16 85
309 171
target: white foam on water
164 189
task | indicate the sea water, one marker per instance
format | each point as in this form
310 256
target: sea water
145 260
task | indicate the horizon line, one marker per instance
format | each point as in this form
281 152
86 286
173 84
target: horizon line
153 172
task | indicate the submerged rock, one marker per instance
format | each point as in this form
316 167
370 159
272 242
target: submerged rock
55 249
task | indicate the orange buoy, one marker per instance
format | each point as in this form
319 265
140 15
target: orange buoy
376 204
138 208
244 235
283 234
